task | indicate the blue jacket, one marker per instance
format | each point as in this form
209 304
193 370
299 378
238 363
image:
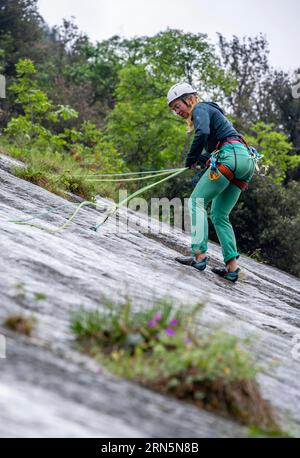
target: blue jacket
210 127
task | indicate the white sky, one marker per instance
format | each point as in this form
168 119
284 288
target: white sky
278 20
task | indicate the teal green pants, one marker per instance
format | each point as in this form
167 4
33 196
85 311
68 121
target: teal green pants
223 196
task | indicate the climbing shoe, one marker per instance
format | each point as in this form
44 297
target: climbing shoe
231 276
191 261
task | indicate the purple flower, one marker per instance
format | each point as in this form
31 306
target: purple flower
151 323
157 316
170 332
173 323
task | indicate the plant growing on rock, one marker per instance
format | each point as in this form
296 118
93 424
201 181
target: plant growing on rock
161 348
20 324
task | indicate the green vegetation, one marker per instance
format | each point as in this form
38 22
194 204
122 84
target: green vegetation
268 216
257 433
161 348
21 293
39 296
275 147
60 162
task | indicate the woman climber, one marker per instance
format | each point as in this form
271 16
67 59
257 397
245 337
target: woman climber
230 166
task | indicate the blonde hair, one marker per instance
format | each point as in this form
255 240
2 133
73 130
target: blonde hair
191 102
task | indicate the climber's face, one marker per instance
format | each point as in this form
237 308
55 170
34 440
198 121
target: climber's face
180 108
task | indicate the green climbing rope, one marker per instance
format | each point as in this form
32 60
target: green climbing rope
111 209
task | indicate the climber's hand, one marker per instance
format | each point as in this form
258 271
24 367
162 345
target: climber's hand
190 163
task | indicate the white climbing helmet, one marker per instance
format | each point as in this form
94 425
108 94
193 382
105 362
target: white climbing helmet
178 90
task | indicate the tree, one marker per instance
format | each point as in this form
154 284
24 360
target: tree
275 148
98 64
278 106
267 221
263 95
174 55
247 59
140 124
20 30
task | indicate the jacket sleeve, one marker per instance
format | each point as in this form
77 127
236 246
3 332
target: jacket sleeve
201 122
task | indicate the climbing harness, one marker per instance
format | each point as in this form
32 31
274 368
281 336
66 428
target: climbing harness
216 170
